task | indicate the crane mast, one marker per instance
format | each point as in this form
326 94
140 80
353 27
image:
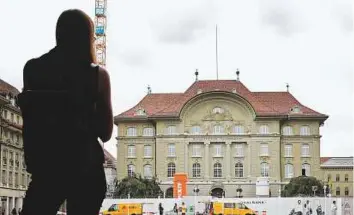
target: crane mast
100 31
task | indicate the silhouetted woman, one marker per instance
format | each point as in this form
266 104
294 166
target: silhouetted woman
66 107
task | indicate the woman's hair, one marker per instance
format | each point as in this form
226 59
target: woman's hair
75 35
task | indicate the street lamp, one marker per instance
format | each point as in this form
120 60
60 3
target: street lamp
196 191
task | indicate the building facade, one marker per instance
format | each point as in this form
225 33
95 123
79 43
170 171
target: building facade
110 169
338 175
224 136
14 178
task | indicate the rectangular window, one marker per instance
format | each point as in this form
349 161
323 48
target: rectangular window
238 129
131 151
10 178
171 150
196 130
239 150
337 177
196 150
148 151
289 171
305 130
18 119
16 179
305 150
23 180
217 150
5 114
12 117
4 177
288 150
264 149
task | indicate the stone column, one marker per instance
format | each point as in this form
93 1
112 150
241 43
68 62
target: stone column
206 160
249 159
186 158
7 206
228 160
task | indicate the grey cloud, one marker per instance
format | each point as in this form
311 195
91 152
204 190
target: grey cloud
344 15
282 16
183 26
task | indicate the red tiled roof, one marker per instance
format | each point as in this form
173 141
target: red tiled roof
6 88
109 159
264 103
324 159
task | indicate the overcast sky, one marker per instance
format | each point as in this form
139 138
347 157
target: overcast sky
306 43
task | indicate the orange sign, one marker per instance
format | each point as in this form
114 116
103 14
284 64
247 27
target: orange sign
179 185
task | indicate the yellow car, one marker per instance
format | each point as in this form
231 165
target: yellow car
124 209
229 208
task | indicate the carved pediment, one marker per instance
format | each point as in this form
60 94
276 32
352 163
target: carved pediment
218 116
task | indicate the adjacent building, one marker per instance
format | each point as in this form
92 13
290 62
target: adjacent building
13 175
110 170
338 175
223 135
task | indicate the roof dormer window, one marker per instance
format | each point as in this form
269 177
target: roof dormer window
296 109
218 110
140 112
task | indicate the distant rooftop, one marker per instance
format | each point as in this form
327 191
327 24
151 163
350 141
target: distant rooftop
337 162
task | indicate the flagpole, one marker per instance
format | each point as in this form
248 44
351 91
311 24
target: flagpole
216 52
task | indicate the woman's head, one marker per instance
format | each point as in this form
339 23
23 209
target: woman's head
75 33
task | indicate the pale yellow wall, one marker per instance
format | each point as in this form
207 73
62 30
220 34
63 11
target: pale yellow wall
341 183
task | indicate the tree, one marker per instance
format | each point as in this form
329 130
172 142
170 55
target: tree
137 187
302 186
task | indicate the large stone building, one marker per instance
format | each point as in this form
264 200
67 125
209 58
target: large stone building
13 175
222 135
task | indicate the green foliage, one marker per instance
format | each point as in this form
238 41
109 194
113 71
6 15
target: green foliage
137 187
302 186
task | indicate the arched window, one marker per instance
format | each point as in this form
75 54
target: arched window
329 178
287 130
289 171
148 132
131 132
264 169
171 130
148 171
305 130
239 170
217 170
169 193
131 170
171 170
307 168
238 129
218 129
338 191
196 170
346 191
264 129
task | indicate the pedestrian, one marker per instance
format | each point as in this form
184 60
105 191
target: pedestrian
160 209
334 208
14 212
175 209
66 107
184 209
